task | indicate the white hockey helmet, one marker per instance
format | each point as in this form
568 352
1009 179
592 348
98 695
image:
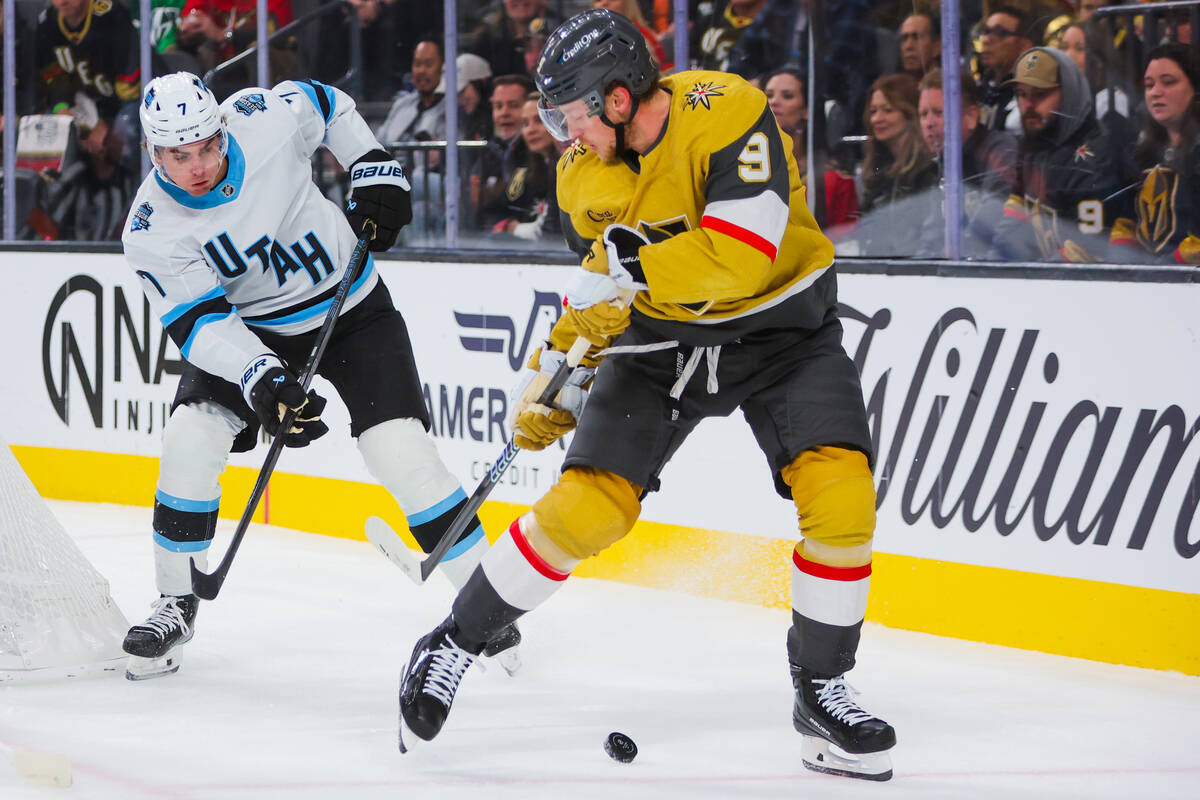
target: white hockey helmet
179 109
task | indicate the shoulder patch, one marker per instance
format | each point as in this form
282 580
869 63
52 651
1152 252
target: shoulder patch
248 104
577 149
141 218
701 94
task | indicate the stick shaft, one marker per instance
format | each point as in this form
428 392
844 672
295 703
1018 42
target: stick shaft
207 585
467 513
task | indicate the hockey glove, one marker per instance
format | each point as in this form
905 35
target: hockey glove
271 391
379 192
614 263
599 324
536 426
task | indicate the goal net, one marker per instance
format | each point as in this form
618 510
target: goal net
56 615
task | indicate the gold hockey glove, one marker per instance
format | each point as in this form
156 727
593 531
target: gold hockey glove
537 426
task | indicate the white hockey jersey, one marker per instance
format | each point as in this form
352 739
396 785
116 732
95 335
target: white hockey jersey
263 250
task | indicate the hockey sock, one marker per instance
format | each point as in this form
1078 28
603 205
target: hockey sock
460 560
183 530
828 605
512 579
196 444
402 457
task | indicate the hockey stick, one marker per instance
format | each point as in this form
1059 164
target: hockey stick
467 513
206 585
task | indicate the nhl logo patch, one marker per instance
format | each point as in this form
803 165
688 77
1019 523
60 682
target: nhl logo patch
250 103
227 189
141 218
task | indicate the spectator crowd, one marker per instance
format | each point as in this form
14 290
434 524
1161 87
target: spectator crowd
1079 134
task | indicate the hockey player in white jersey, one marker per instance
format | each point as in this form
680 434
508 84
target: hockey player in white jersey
240 256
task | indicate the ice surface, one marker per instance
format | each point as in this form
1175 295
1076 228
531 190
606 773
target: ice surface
289 691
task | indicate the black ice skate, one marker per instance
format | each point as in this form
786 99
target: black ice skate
153 646
839 737
427 690
503 648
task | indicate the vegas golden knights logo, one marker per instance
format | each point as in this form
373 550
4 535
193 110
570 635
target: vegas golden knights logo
1045 227
516 186
1156 209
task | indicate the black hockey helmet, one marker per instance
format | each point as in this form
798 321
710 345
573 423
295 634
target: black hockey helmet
590 51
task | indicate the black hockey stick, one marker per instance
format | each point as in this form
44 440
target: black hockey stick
467 513
206 585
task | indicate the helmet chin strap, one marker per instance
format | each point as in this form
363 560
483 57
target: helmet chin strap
619 127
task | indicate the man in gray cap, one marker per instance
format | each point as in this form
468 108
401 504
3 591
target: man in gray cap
1072 177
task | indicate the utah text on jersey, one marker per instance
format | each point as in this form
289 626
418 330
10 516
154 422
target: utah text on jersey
263 250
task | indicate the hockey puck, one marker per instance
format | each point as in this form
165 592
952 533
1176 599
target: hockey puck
620 747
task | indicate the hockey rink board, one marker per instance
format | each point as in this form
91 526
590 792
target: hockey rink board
1037 459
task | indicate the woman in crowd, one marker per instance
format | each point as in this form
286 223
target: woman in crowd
897 169
1093 53
529 172
475 115
785 95
1167 208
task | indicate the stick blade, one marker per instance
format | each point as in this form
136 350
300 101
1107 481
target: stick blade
205 586
380 534
427 568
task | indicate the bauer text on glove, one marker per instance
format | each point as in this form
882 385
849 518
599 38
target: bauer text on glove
614 263
271 391
379 192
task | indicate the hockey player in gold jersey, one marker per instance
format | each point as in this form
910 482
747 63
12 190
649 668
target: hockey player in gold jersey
682 193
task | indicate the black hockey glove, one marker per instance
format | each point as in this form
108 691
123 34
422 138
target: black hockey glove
379 191
271 391
623 246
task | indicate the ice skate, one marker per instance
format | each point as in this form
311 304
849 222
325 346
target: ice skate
430 681
503 649
840 738
153 646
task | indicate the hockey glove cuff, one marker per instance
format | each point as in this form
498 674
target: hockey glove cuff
613 263
271 391
599 324
536 426
380 192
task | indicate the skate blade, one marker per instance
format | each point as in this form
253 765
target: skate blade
408 741
404 746
380 534
510 660
822 756
141 669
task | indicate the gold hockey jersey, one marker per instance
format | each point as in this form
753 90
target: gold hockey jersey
733 247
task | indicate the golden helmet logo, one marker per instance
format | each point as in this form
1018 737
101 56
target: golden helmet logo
1045 227
1156 209
516 186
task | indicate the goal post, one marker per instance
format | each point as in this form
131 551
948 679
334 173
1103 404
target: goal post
57 617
